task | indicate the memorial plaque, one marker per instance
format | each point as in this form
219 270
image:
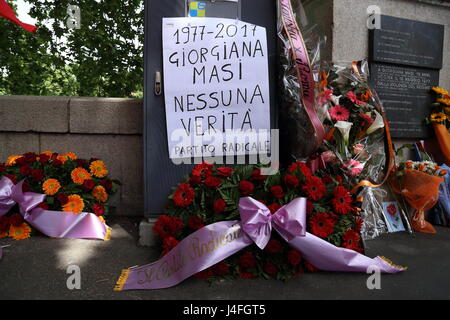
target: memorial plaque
408 42
405 57
405 93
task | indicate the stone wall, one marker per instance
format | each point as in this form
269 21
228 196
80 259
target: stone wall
350 40
105 128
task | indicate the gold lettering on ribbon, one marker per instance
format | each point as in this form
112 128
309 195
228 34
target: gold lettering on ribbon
300 53
196 250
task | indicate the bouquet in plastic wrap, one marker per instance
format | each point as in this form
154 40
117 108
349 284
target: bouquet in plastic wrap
330 118
418 183
300 116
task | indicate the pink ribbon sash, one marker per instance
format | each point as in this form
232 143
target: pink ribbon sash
55 224
214 243
302 65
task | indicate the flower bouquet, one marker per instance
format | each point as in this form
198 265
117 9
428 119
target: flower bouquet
34 187
418 183
355 144
441 121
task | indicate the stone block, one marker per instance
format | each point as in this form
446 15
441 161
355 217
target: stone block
146 236
106 115
17 143
32 113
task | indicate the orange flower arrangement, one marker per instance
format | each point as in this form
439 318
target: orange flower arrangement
100 194
20 232
69 188
51 187
74 204
98 169
79 175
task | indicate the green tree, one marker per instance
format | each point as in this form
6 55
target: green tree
103 58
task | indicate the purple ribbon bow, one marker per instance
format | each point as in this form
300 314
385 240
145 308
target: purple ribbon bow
55 224
216 242
257 220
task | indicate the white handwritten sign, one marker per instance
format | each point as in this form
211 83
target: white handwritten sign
216 86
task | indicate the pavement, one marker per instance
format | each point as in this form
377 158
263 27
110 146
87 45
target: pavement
36 268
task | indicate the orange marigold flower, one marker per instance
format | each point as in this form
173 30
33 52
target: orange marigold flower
71 156
366 96
98 169
75 204
51 187
21 232
444 101
3 234
12 160
79 175
100 194
440 90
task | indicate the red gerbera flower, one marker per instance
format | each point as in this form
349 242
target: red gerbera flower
274 207
221 268
294 257
352 241
314 188
168 244
273 247
322 225
247 260
246 187
203 170
310 267
277 192
225 172
304 169
339 113
205 274
213 182
195 223
359 224
353 98
270 269
184 195
256 175
167 226
342 201
219 206
291 181
309 207
368 119
246 275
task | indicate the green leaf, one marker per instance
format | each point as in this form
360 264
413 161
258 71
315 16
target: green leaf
50 200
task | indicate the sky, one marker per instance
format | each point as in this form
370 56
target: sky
22 12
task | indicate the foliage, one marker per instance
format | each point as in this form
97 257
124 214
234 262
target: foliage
103 58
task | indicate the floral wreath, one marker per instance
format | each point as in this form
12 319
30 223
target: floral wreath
211 194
